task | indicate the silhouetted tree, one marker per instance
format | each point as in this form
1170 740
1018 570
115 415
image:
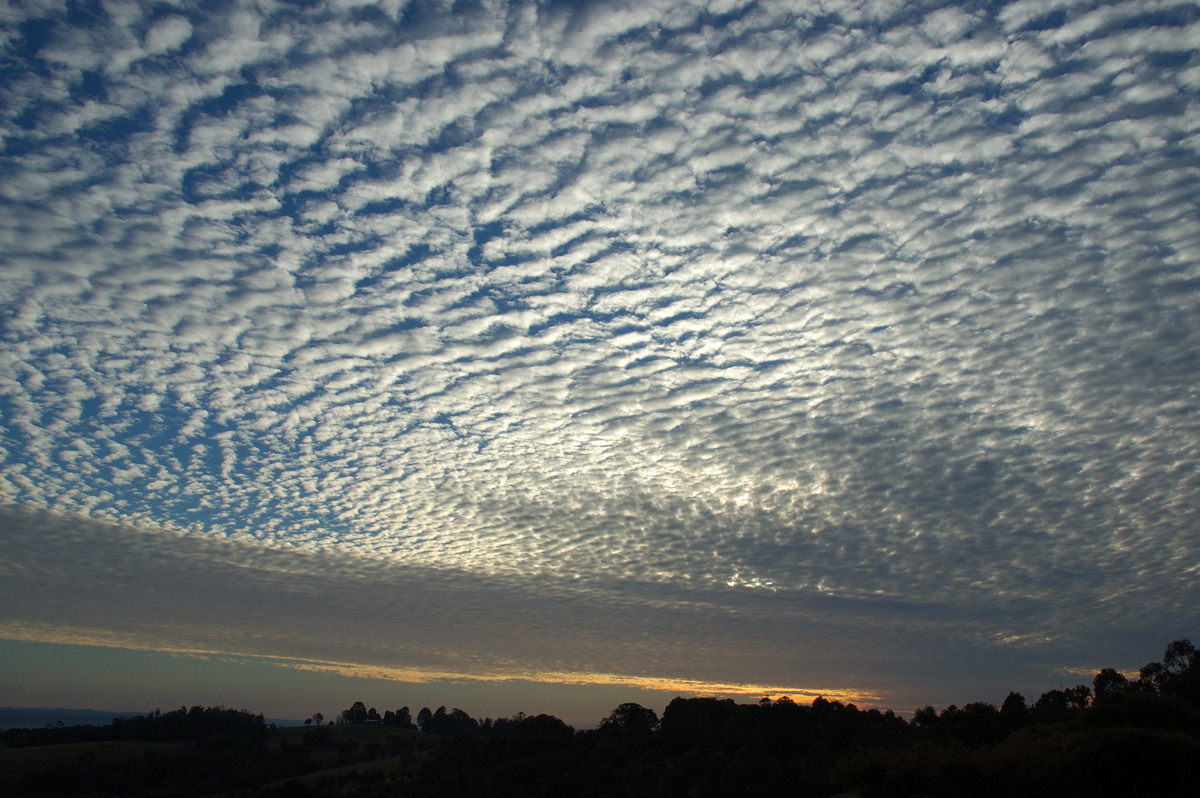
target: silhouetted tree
1181 662
355 714
1150 678
459 722
1078 697
630 716
1178 674
1178 656
974 725
1109 681
1052 706
402 718
700 724
1014 713
925 721
438 722
541 727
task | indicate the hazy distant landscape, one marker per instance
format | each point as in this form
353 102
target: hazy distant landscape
39 717
1118 736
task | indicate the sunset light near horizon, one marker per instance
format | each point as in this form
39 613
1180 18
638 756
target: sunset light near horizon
544 353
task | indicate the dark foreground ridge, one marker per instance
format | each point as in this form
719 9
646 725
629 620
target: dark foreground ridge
1121 736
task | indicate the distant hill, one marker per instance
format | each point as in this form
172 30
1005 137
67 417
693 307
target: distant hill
37 718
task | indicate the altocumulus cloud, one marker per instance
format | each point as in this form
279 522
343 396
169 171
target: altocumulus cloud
789 339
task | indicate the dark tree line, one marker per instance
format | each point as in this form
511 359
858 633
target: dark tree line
196 751
438 721
176 725
1121 735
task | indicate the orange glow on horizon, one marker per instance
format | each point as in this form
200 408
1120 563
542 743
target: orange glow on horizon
693 687
682 686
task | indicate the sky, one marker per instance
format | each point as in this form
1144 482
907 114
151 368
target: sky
540 356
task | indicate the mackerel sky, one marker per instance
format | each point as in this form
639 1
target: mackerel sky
846 348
